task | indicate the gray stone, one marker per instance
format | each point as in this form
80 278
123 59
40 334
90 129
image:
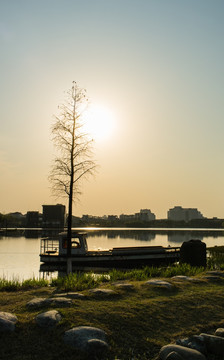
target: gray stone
8 316
174 356
41 302
184 352
214 278
219 332
124 286
97 348
102 292
185 278
48 319
37 302
75 295
194 342
215 273
7 322
214 344
70 295
160 283
79 337
60 301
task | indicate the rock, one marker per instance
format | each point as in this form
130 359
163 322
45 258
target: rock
97 348
60 301
75 295
70 295
214 344
37 303
215 273
174 356
214 278
184 352
220 332
79 337
41 302
102 292
181 277
48 319
7 322
160 283
185 278
124 286
194 342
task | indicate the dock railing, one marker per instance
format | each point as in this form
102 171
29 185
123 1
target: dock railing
49 246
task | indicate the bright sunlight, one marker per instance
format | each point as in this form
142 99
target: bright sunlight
99 122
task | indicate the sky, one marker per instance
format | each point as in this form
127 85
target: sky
154 71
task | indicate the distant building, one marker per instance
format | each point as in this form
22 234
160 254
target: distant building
146 215
32 219
124 217
184 214
53 216
143 215
112 218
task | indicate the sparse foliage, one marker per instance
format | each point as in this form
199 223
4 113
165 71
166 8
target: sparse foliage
74 161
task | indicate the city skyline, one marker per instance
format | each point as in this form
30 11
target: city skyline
153 71
171 213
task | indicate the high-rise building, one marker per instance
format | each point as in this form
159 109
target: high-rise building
184 214
32 219
53 216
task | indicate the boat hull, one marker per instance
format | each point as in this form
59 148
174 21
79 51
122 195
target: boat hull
111 261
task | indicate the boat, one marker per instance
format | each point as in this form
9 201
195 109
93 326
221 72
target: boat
53 254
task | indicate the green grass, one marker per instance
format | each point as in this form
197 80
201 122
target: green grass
138 322
216 257
80 281
16 285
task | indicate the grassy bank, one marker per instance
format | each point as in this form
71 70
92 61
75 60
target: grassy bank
138 321
81 281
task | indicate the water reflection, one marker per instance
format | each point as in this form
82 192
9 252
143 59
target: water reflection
20 248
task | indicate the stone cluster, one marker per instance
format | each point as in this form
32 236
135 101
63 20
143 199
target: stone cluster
89 340
196 347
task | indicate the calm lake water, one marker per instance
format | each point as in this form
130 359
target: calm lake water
19 254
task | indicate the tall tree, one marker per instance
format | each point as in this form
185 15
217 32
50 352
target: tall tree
74 161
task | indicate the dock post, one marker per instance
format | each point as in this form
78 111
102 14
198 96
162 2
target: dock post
69 265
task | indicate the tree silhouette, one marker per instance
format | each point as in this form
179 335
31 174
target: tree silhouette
74 161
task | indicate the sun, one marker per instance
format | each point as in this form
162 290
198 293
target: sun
99 122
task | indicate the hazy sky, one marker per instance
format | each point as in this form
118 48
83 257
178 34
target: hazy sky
156 66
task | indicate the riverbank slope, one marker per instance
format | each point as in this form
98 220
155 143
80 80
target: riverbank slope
138 317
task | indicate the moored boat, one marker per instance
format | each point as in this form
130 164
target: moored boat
53 254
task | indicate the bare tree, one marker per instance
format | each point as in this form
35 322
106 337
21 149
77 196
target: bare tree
75 152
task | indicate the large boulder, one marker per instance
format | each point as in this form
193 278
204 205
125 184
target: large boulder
97 348
82 338
7 322
174 356
194 342
214 344
48 319
219 332
184 352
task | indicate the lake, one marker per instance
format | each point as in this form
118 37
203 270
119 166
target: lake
19 252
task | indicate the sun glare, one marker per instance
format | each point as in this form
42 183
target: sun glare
99 122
